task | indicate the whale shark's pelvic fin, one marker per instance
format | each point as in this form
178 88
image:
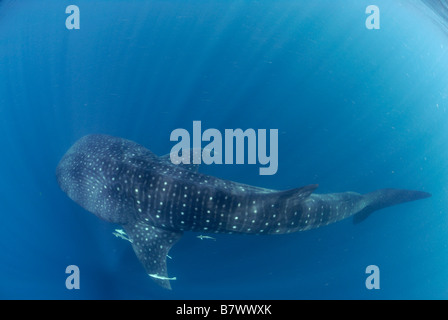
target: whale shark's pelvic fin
384 198
151 245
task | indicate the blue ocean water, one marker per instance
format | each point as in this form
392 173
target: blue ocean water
356 110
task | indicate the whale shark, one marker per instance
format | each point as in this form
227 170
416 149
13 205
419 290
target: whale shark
155 201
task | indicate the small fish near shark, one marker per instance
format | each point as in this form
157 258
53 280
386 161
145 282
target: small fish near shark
155 201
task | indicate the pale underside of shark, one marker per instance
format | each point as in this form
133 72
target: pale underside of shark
156 201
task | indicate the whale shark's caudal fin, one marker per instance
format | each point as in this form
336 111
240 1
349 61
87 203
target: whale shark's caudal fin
151 245
384 198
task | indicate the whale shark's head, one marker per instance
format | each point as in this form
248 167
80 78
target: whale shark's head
86 174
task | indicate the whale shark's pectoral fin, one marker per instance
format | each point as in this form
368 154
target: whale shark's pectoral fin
151 245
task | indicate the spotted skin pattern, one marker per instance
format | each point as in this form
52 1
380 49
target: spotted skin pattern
155 200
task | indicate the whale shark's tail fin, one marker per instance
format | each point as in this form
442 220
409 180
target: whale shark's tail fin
384 198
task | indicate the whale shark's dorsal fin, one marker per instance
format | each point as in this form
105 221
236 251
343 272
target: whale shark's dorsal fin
151 245
296 195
